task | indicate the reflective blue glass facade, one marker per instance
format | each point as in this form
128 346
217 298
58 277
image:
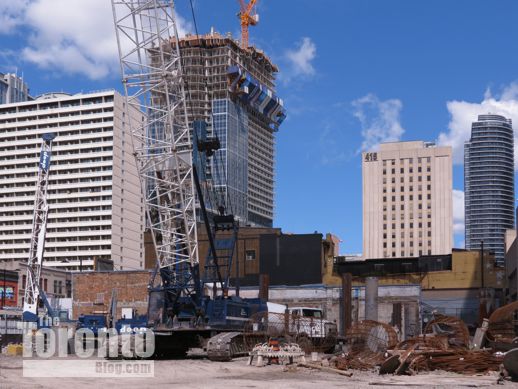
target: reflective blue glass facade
233 91
230 178
489 184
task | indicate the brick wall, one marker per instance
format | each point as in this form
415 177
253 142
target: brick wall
92 291
248 241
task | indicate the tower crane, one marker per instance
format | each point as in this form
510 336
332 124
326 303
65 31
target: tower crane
33 290
247 17
180 312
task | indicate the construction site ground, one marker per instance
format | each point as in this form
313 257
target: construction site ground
202 373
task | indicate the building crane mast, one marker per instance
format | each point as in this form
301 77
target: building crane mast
33 289
154 87
248 17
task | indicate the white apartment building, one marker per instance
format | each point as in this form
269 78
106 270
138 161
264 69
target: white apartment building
95 204
407 200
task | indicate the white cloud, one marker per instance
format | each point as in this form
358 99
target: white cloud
300 60
458 212
11 14
379 119
464 113
70 36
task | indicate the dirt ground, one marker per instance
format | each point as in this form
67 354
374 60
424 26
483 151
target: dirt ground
201 373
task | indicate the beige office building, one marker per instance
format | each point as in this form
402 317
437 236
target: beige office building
407 200
95 204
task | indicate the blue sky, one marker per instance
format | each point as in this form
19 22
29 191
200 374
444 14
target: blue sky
353 74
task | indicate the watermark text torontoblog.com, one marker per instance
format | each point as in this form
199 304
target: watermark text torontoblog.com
120 368
52 344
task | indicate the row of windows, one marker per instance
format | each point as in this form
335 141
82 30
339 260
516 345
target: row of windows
57 104
419 179
58 182
58 285
4 157
58 250
410 161
55 196
411 225
55 117
410 189
411 197
61 133
403 233
393 208
410 170
411 244
21 164
411 216
63 172
409 253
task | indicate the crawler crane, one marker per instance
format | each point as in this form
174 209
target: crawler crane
185 309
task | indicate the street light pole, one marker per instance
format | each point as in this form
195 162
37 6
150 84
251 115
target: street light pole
4 291
483 306
482 264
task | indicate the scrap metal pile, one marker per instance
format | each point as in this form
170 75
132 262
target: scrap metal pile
367 343
502 331
444 345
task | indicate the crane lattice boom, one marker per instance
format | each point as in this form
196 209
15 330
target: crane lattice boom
39 231
147 39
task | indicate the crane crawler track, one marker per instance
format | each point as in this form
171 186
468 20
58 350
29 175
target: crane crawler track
226 345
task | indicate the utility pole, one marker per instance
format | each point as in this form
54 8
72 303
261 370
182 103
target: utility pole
347 282
238 284
483 306
4 291
482 264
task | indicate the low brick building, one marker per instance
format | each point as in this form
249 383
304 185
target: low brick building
92 291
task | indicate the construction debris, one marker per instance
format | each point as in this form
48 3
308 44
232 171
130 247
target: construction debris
325 368
371 336
463 362
444 345
359 361
502 331
366 344
451 328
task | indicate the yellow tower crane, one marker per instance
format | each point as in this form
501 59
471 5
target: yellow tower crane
248 17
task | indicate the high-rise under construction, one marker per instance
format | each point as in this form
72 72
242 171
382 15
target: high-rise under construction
231 89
